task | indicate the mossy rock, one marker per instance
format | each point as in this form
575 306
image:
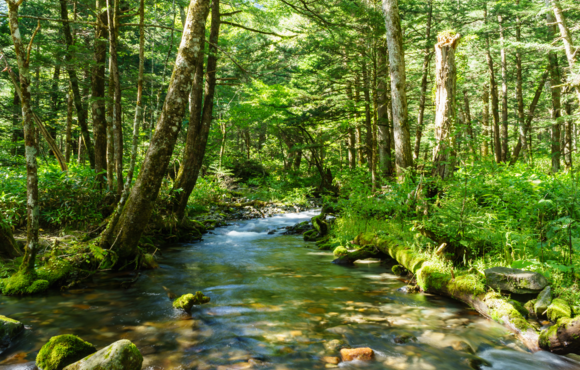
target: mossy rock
310 235
9 329
24 284
63 350
57 270
559 309
149 262
340 251
121 355
399 270
543 302
187 301
519 307
529 306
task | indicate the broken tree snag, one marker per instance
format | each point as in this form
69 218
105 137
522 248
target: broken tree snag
446 74
124 234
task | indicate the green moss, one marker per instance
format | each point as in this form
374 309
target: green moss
365 239
558 309
340 251
409 259
187 301
23 284
430 277
466 284
529 306
56 270
310 235
501 310
9 329
149 262
399 270
199 226
551 334
63 350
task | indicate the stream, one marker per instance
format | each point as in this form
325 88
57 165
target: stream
275 302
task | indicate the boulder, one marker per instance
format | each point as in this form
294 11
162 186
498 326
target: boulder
187 301
63 350
9 329
361 354
544 300
515 280
559 309
121 355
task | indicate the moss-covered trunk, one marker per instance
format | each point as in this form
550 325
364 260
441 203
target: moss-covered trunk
8 246
124 234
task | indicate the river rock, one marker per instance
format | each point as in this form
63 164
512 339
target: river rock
544 300
559 309
361 354
187 301
121 355
63 350
515 280
333 345
9 329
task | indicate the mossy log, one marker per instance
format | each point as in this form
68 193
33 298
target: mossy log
253 203
361 254
452 250
468 289
563 337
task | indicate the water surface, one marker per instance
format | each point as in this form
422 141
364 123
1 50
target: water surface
276 302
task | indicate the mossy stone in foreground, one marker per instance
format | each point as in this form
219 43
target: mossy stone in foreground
121 355
9 329
543 302
187 301
340 251
23 284
559 309
63 350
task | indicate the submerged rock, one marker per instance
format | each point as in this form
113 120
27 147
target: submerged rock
361 354
63 350
9 329
544 300
559 309
515 280
121 355
333 345
187 301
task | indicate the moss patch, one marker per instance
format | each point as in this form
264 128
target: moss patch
559 309
501 310
430 277
187 301
55 271
63 350
340 251
23 284
9 329
466 284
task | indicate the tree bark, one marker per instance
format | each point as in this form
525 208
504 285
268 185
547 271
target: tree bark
8 246
384 139
368 119
567 147
485 120
124 235
69 119
468 123
403 156
74 81
494 99
504 95
425 75
523 129
33 211
555 81
116 120
566 35
446 79
98 93
351 131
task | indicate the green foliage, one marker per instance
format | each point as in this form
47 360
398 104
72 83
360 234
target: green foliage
63 350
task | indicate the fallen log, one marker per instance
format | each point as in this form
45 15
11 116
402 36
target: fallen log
360 254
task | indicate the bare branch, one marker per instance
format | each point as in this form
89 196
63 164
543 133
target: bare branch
257 31
30 43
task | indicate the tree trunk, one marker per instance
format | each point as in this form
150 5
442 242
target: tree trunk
446 78
110 135
8 246
566 36
17 131
368 119
98 93
528 123
523 129
200 118
74 81
124 235
468 123
425 75
567 147
358 130
555 82
116 118
33 211
485 120
504 96
403 156
494 99
351 131
384 138
69 119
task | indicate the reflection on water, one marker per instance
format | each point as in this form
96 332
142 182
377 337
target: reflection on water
275 305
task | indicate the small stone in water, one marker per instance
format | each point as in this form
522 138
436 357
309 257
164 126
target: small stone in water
333 345
361 354
405 338
331 360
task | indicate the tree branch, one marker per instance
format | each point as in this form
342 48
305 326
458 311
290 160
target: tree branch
30 43
257 31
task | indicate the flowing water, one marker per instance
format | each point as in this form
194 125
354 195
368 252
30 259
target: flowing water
275 303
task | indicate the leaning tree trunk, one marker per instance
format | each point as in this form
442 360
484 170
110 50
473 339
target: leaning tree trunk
425 75
23 60
384 138
199 120
403 156
74 81
124 235
446 79
566 36
98 93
